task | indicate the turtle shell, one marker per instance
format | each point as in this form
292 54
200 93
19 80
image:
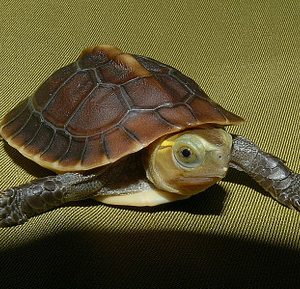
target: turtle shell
105 105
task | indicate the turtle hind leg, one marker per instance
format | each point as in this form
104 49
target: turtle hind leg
18 204
267 170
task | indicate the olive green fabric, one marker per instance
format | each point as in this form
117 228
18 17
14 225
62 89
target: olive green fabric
246 56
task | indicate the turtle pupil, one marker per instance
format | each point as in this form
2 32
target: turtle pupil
186 153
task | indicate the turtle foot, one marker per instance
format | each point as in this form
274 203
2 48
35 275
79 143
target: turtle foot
18 204
268 171
10 210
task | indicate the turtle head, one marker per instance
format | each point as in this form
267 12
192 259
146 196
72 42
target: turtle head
190 161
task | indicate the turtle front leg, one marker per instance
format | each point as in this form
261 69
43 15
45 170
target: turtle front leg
267 170
18 204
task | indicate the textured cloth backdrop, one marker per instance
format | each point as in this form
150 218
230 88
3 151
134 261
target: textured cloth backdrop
246 56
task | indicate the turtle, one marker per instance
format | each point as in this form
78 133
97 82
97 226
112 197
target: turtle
125 129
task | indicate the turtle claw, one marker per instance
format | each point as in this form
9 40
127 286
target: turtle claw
290 195
10 211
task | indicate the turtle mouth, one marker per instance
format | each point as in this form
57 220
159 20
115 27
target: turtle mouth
194 185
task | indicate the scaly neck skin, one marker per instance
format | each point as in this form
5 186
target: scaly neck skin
267 170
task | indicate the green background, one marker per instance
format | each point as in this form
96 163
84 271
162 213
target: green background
246 56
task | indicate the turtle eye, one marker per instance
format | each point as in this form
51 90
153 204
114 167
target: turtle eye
188 151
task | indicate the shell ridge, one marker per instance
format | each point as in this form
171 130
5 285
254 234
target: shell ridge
78 65
191 111
131 134
83 151
15 134
97 75
173 75
50 143
67 150
36 132
134 110
125 97
81 104
152 61
163 120
26 144
134 79
105 147
166 90
190 98
223 115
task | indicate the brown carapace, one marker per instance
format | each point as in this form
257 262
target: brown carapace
105 105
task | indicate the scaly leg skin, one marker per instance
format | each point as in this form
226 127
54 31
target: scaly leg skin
18 204
268 171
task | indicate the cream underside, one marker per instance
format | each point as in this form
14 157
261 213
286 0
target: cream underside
150 197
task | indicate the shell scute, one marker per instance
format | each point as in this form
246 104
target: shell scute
153 65
15 121
28 131
69 98
57 147
93 57
40 141
74 154
122 68
174 88
141 123
170 114
50 87
147 93
189 83
101 111
94 153
205 111
118 142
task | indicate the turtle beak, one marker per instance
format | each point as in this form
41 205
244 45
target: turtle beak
195 185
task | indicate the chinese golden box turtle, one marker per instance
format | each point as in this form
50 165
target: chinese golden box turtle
125 129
